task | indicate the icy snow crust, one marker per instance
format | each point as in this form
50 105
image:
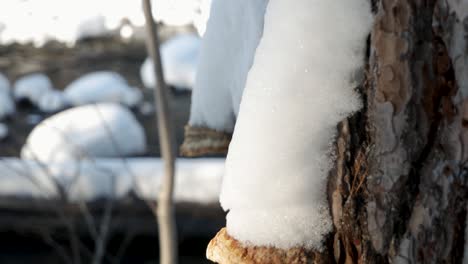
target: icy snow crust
101 130
298 89
227 50
179 58
102 86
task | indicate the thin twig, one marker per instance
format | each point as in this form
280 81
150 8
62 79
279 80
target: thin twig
165 209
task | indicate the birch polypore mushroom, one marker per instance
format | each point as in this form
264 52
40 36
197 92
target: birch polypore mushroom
227 50
300 86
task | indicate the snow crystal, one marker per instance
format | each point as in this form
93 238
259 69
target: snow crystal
179 57
102 86
299 88
4 131
101 130
233 32
196 180
31 87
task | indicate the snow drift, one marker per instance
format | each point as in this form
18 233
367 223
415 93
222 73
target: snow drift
299 88
101 130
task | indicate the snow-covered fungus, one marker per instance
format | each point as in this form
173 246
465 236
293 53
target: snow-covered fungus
299 88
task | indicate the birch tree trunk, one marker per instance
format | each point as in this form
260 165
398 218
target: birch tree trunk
399 190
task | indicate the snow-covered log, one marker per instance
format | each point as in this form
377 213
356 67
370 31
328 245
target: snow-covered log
301 85
102 86
197 181
101 130
228 47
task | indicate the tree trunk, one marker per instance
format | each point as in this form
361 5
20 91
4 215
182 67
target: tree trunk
399 190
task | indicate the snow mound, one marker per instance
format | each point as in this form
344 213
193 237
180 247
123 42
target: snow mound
179 57
31 87
7 105
227 50
52 101
101 130
299 88
102 86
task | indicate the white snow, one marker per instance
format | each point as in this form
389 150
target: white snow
179 57
196 180
101 130
227 50
299 88
7 105
102 86
4 131
31 87
52 101
65 20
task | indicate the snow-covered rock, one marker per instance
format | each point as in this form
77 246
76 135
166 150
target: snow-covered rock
7 105
227 50
4 131
179 57
102 86
299 88
85 132
52 101
197 181
31 87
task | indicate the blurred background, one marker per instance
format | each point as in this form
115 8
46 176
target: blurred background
80 166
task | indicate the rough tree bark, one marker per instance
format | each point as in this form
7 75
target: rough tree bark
399 190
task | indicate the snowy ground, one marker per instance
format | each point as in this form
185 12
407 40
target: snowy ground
197 181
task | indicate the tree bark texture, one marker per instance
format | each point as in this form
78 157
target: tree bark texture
399 190
399 193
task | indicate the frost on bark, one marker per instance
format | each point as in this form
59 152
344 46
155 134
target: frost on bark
399 189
